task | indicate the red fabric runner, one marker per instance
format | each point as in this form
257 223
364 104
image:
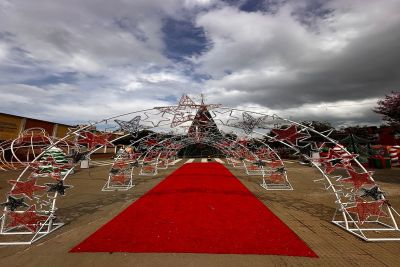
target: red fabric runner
200 208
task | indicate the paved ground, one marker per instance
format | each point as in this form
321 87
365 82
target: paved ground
307 210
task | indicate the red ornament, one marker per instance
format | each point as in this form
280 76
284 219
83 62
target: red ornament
276 178
334 161
332 154
275 163
118 178
289 134
366 209
120 164
27 188
92 140
358 179
151 142
28 219
331 166
148 168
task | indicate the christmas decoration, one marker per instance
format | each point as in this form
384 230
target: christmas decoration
366 209
14 203
358 179
374 192
29 219
28 188
58 187
290 134
132 126
92 140
254 143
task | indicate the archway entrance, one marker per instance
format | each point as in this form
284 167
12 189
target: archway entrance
200 150
244 137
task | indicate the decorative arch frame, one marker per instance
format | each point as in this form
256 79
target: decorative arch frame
361 206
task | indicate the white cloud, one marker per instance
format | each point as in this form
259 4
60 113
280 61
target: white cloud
198 3
86 37
3 51
243 41
275 60
114 52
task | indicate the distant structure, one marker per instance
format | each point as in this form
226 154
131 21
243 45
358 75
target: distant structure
11 126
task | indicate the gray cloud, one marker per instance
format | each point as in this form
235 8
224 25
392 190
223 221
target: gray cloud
278 62
327 60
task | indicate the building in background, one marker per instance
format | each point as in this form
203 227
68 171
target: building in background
12 125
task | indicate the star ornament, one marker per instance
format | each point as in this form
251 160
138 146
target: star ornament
366 209
14 203
332 155
132 126
120 164
92 140
28 219
58 187
332 165
186 101
358 179
290 134
336 161
155 119
374 192
118 178
276 178
275 164
181 117
249 123
27 188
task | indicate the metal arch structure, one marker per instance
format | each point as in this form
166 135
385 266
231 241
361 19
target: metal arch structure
255 163
19 152
362 208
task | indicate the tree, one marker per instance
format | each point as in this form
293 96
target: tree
319 126
389 107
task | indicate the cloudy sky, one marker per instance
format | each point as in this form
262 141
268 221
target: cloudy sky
75 60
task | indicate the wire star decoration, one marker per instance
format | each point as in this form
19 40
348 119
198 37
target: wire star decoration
249 123
373 192
13 203
365 209
358 179
132 127
290 134
155 119
28 219
27 188
58 187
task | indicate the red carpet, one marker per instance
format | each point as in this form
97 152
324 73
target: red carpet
200 208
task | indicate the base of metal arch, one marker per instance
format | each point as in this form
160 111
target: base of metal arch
385 228
27 237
